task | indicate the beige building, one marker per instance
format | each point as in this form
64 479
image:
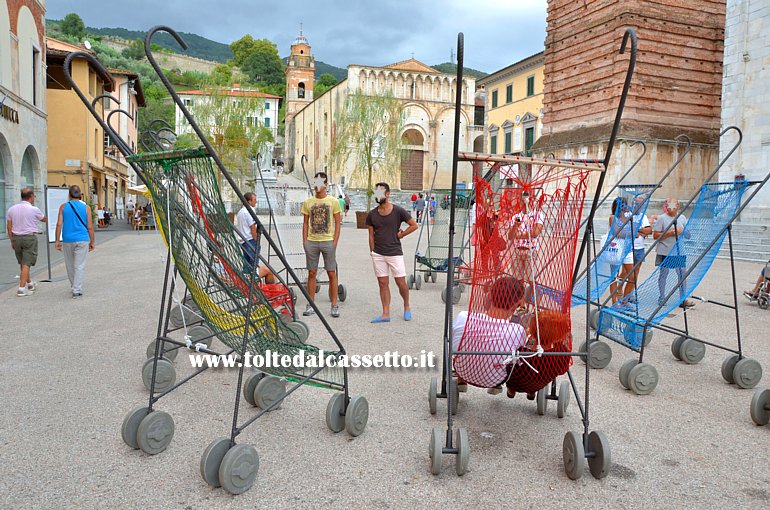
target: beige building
76 145
22 102
513 107
427 98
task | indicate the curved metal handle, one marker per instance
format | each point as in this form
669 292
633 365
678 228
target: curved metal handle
735 147
125 149
304 172
629 34
104 96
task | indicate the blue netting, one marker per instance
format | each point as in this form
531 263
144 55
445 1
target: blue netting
632 203
715 209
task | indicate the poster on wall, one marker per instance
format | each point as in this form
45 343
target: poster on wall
54 197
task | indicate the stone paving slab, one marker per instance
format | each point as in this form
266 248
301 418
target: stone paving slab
70 370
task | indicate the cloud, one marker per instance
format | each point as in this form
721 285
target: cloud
342 32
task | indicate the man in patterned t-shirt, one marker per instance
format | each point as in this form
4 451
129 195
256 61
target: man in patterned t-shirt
322 217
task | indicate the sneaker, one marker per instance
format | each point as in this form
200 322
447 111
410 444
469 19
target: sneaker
335 311
495 391
750 294
308 311
76 295
23 292
32 286
686 304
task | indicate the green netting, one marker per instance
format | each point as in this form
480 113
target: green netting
186 198
433 252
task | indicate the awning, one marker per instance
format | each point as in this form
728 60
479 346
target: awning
138 190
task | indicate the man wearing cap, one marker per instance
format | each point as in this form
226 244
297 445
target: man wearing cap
21 225
75 238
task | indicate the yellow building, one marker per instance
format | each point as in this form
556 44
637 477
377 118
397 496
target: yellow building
75 139
513 112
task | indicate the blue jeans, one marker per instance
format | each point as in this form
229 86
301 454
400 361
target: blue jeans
251 255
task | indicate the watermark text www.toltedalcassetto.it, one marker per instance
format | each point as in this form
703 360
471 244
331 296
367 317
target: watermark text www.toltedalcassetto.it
319 359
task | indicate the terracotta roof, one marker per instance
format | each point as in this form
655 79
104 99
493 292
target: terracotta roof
232 93
413 65
58 44
57 51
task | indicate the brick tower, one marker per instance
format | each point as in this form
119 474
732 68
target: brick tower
300 71
676 88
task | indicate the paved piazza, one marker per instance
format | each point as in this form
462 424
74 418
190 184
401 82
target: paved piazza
70 370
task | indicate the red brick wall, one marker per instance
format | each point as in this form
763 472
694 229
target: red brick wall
678 78
37 11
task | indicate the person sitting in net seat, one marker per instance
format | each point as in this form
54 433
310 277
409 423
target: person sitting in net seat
491 331
762 285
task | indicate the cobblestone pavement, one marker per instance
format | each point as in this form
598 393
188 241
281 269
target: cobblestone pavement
70 370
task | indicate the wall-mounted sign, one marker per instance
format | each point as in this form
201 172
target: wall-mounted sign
9 114
72 163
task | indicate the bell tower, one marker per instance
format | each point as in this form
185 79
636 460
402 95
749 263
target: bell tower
300 72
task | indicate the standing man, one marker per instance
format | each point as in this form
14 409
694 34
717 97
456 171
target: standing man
385 234
75 238
21 226
669 254
322 217
419 206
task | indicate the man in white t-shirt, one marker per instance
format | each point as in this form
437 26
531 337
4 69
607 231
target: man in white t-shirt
492 331
248 237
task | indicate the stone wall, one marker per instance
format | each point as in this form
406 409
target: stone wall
169 60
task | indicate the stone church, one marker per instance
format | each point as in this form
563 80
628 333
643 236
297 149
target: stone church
427 98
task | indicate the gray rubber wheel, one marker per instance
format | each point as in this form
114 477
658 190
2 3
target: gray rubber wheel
418 282
542 401
433 394
573 455
642 379
300 329
426 276
601 355
269 389
593 319
342 292
410 281
433 277
212 459
335 420
647 337
563 401
728 365
463 451
250 385
239 467
625 368
763 302
190 316
457 293
165 374
760 407
155 432
583 348
435 450
131 425
676 345
356 416
200 334
169 354
601 463
443 295
747 373
455 395
691 351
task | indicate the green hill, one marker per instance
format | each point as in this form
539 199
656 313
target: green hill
199 46
446 67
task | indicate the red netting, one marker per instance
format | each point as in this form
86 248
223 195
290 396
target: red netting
526 236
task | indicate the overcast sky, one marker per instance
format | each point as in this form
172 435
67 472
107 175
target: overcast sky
342 32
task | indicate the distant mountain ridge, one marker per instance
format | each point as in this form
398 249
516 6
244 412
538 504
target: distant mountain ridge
207 49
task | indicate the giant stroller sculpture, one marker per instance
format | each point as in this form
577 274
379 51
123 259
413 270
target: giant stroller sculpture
549 193
185 188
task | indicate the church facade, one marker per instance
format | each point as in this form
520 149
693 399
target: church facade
427 100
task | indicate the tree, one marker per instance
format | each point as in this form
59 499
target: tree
135 50
247 45
369 131
264 67
233 125
324 83
73 26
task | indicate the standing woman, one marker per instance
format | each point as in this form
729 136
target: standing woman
75 238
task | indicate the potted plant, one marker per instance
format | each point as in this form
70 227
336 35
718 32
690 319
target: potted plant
369 131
